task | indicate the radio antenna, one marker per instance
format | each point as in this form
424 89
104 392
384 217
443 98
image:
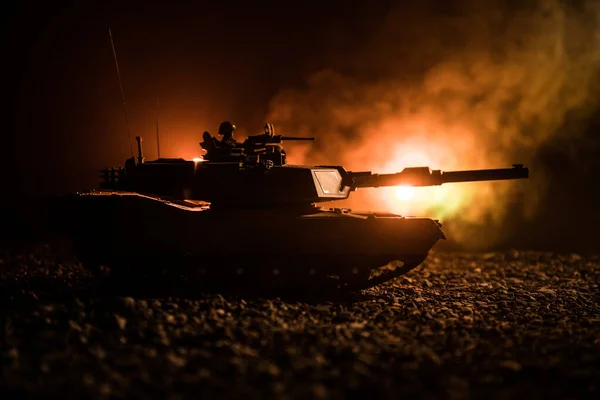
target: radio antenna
122 92
157 139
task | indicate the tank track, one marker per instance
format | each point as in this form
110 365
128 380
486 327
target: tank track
351 273
256 271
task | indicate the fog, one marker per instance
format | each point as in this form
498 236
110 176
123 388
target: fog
471 86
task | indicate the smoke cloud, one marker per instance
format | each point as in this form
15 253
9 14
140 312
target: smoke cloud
473 85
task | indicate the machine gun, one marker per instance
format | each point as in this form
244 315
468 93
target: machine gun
266 140
267 146
269 137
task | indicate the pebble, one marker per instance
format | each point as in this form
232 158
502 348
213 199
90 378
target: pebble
462 325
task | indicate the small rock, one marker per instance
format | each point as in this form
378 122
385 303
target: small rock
121 321
512 365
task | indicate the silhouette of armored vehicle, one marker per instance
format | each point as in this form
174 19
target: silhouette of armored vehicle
243 214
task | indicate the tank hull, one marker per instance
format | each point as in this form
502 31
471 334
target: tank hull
121 228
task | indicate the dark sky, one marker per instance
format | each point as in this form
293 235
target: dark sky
206 61
211 61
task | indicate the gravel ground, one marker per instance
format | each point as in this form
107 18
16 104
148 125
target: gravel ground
516 324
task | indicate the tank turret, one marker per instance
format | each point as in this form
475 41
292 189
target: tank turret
255 174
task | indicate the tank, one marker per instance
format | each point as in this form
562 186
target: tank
242 214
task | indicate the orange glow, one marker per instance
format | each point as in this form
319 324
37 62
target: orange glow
422 139
405 193
419 151
197 159
509 88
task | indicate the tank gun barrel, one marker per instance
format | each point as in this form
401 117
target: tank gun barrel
423 176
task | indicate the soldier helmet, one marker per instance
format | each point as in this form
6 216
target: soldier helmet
226 128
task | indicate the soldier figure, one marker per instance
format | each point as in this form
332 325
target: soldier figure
226 129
